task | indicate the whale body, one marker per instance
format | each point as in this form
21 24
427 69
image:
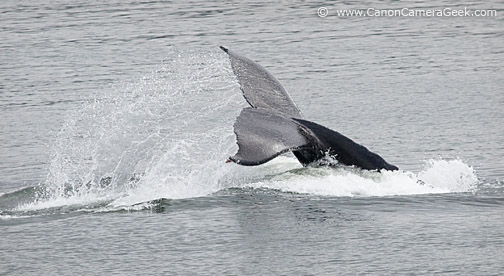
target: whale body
273 125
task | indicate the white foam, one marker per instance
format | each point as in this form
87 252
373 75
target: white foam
12 217
195 180
284 174
438 176
58 201
453 175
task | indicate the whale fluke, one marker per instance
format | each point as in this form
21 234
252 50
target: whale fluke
274 125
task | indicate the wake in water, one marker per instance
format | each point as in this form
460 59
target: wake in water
168 136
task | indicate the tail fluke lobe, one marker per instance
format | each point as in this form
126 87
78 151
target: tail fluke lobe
259 87
262 135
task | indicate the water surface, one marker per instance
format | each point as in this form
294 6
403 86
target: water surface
117 118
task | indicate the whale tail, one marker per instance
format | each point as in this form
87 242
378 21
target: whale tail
274 125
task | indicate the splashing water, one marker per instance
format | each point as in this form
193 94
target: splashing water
168 135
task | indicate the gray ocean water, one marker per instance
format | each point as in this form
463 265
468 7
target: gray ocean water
116 118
